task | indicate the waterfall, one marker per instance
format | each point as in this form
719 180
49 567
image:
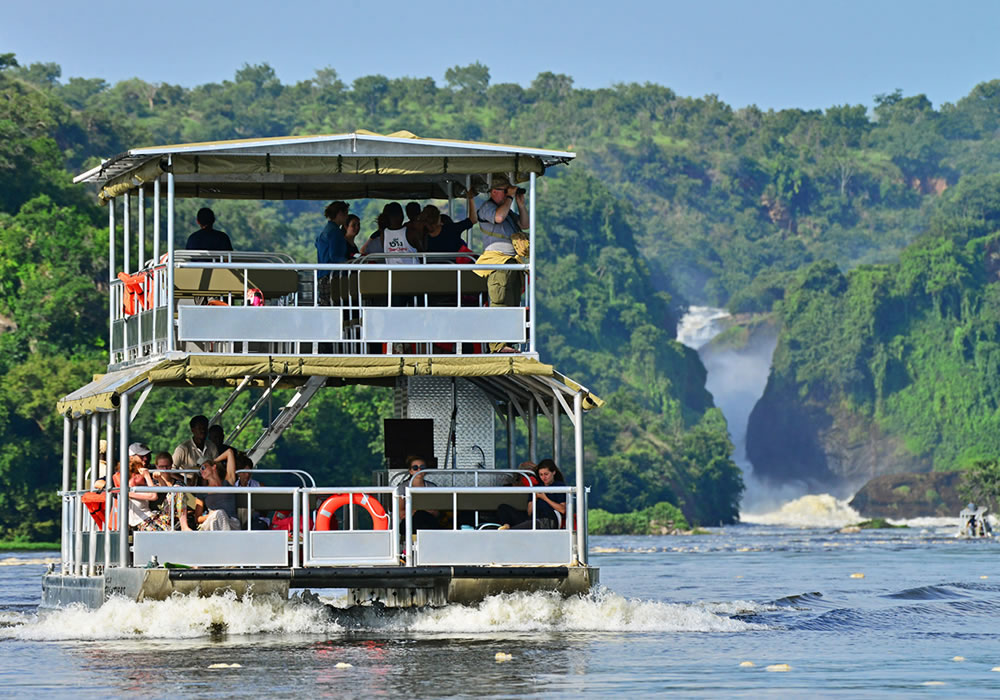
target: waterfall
736 379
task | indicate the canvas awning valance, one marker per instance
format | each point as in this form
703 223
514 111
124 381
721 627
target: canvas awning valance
104 393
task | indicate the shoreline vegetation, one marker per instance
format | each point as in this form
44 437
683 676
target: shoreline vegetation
23 546
659 519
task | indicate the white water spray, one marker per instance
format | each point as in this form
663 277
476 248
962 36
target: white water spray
736 379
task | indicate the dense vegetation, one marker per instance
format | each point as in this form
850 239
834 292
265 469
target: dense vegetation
676 199
908 352
600 316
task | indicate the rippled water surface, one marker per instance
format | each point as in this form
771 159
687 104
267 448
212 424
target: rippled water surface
890 612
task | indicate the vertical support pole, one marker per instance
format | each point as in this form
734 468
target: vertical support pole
109 449
64 527
581 514
111 279
411 558
170 253
95 431
511 461
123 426
451 202
556 431
156 220
95 439
141 214
533 430
296 525
127 233
532 256
81 456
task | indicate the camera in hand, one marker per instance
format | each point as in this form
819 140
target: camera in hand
521 190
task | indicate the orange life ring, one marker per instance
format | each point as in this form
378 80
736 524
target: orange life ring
380 520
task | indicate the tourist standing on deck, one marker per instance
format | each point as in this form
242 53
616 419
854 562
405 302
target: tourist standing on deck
505 245
191 454
207 238
331 246
351 230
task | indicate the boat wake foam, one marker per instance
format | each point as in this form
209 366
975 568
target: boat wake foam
187 617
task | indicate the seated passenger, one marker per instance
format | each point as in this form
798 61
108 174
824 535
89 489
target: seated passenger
422 519
551 507
219 509
142 514
206 237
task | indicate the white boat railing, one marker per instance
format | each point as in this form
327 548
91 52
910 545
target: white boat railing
88 549
252 304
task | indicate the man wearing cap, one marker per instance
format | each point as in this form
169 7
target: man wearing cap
505 245
191 454
496 217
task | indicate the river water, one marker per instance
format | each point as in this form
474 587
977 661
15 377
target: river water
889 612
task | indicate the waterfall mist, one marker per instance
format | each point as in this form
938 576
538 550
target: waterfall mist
737 376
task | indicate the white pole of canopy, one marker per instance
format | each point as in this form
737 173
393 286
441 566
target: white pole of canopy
531 266
95 439
156 220
556 431
511 464
127 224
81 456
123 480
111 277
170 253
533 430
64 529
142 227
581 546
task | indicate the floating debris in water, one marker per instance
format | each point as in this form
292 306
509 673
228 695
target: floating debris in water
343 664
746 664
996 669
984 577
932 683
225 666
958 658
778 668
503 657
857 574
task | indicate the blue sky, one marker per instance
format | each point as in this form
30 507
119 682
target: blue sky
773 53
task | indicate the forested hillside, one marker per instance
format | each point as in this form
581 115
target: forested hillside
673 200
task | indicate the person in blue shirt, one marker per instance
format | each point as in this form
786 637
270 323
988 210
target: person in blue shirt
331 246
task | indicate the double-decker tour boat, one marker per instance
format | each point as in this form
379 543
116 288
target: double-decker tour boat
254 321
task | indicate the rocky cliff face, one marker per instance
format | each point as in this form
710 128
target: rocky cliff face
827 447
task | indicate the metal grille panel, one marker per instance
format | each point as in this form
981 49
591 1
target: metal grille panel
430 397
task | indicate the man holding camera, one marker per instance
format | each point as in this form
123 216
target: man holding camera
496 217
504 243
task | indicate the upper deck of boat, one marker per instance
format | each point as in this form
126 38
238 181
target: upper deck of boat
168 303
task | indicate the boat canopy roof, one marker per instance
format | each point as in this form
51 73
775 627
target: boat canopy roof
362 164
495 374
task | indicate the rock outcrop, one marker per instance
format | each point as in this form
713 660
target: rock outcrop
906 496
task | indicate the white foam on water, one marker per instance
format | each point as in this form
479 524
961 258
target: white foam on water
813 510
188 617
179 617
603 611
